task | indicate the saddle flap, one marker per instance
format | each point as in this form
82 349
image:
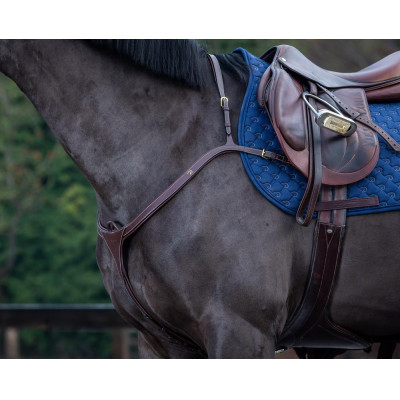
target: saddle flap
344 159
286 104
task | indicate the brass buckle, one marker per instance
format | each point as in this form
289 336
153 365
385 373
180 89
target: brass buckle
263 155
222 101
334 120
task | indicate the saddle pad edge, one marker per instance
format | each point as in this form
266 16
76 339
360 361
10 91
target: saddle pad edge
241 128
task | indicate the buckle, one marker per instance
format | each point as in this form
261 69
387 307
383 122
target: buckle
334 120
264 156
275 156
222 101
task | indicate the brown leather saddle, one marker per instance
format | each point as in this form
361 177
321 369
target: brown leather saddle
322 118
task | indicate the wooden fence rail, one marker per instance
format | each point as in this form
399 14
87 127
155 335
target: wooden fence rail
63 316
91 316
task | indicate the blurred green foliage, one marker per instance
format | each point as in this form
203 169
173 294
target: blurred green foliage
48 210
47 228
48 213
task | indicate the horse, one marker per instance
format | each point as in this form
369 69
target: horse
219 269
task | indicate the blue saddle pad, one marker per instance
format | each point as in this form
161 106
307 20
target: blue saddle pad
282 184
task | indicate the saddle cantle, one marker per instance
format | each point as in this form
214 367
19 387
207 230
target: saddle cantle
339 146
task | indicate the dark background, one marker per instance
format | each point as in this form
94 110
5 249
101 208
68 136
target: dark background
48 210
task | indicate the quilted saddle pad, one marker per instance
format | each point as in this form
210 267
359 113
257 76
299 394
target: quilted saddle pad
282 184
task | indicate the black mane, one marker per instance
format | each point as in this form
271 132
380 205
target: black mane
174 58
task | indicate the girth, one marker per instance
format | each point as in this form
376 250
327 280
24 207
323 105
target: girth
310 325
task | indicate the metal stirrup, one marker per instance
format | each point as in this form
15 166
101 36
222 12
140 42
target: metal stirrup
334 121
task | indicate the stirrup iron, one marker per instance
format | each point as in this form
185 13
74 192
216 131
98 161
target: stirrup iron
332 120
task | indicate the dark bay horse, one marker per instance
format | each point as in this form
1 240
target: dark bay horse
218 264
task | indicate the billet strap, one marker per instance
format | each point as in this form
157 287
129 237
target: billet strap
115 236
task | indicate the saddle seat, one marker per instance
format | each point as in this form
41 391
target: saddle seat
344 159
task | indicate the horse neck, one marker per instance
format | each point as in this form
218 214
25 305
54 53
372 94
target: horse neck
129 132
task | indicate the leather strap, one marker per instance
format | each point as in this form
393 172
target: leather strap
220 84
326 246
362 118
186 177
347 203
314 182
